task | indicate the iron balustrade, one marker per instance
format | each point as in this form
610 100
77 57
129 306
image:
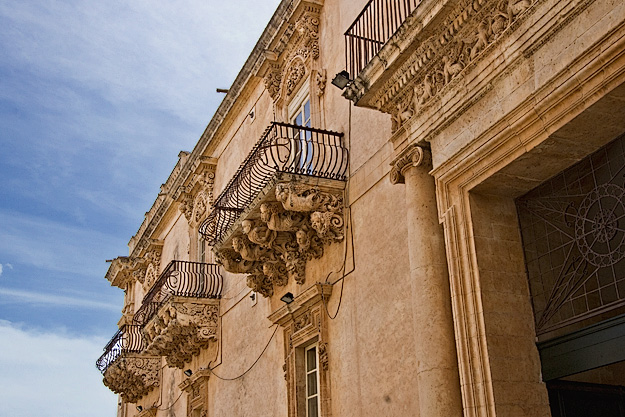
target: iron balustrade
127 339
373 27
180 278
283 148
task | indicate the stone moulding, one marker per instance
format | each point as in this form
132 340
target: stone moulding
440 56
181 328
133 376
289 225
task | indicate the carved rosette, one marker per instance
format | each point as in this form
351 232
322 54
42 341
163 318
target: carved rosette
133 376
412 156
290 232
468 30
181 328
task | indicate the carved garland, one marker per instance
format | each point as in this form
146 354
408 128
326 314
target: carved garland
470 29
275 248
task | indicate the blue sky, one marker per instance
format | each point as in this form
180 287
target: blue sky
96 100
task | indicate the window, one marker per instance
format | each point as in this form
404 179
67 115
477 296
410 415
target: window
299 114
312 381
201 248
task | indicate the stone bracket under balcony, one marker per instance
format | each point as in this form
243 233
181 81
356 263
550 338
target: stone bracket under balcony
293 219
133 375
181 327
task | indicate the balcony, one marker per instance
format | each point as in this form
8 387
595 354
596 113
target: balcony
372 29
402 54
127 370
179 315
282 206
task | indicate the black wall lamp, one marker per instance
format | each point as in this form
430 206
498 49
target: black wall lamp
188 372
139 408
287 298
341 80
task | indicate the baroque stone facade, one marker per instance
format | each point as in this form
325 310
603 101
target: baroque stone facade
454 249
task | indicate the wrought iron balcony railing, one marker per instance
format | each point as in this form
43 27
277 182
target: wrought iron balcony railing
283 148
373 27
180 278
127 339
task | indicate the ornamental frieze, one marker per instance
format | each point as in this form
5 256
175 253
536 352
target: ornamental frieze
467 32
133 376
290 231
181 328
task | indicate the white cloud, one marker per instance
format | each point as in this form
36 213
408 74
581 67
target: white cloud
51 375
30 297
52 245
0 270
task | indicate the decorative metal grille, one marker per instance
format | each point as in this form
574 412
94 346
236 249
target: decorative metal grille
573 229
127 339
180 278
283 148
373 27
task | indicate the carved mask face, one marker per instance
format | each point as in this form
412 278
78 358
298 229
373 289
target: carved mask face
265 213
302 238
236 244
246 226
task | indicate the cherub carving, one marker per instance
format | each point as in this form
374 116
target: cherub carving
276 272
233 262
516 7
309 244
279 220
261 284
329 226
298 197
259 233
480 39
250 251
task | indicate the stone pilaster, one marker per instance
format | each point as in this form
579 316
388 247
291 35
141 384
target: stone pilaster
437 369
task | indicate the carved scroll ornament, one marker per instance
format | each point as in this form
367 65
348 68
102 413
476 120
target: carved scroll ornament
412 156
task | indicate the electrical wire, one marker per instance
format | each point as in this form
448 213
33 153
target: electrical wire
253 364
171 405
350 228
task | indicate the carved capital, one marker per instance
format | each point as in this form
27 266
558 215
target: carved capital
412 156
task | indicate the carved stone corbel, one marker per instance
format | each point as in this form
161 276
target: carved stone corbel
181 328
133 376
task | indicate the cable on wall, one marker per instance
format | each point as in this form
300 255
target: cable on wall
253 364
350 227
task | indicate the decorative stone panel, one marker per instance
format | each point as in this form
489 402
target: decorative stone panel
196 196
181 328
133 375
291 224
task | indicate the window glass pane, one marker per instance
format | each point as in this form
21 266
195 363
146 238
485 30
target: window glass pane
313 409
307 112
311 382
298 119
311 359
